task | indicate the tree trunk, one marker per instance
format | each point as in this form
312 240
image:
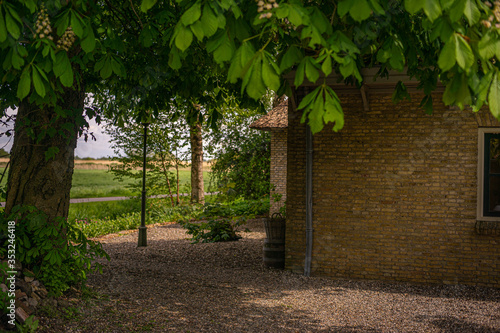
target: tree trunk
197 190
177 171
34 180
165 174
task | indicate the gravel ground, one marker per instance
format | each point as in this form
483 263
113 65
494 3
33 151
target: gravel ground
172 285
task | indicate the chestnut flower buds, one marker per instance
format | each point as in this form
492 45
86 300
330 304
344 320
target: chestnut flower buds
265 7
496 15
42 26
66 40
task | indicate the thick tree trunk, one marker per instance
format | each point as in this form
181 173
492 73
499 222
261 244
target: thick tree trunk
34 180
197 190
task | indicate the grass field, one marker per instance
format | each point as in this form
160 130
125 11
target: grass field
95 183
99 183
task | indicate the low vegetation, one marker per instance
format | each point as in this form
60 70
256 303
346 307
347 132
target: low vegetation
57 254
101 218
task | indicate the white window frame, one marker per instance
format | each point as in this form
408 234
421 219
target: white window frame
480 173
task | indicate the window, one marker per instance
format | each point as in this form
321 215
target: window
489 174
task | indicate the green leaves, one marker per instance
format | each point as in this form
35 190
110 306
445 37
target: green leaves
432 8
38 77
391 52
359 10
62 69
209 21
291 57
206 24
262 73
108 65
221 46
147 5
472 11
456 51
32 74
240 63
3 27
88 41
457 91
489 46
308 67
183 38
13 22
192 14
321 107
494 96
24 86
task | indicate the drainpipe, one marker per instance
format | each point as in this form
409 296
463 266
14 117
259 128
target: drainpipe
309 201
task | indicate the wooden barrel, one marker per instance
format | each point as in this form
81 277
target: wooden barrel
274 253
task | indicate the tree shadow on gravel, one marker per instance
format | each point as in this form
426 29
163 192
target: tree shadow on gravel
450 324
172 285
435 291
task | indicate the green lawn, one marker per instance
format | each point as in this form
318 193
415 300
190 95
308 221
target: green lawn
100 183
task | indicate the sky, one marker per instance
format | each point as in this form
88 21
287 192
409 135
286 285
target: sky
95 149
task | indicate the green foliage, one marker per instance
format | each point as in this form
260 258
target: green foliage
276 197
242 157
4 296
455 40
224 220
29 326
166 140
58 253
101 218
238 207
214 230
99 227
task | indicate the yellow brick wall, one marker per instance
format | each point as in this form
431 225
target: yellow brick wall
394 196
278 169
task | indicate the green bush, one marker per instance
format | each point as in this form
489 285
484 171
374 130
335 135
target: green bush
238 207
58 253
4 296
222 230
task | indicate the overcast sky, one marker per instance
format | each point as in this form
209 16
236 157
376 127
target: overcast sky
95 149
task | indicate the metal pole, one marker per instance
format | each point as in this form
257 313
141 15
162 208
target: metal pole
143 240
309 201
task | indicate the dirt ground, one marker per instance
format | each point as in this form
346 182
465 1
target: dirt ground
173 285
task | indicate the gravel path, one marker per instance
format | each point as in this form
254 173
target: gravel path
172 285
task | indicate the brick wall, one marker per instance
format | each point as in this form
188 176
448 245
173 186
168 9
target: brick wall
278 168
394 196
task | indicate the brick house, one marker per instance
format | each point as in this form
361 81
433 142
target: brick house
397 194
276 122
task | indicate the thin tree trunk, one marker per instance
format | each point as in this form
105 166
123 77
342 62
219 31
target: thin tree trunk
177 170
33 179
197 190
165 173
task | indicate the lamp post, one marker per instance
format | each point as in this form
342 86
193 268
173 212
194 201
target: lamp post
143 240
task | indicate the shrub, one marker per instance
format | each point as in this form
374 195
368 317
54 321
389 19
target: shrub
58 253
222 230
238 207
